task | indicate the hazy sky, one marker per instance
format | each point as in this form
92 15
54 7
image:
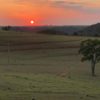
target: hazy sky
49 12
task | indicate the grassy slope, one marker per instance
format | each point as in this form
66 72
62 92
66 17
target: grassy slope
50 71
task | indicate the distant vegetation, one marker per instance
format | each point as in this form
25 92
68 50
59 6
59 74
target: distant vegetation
6 28
50 31
92 30
62 30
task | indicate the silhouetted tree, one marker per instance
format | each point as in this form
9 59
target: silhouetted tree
75 33
6 28
49 31
90 49
96 35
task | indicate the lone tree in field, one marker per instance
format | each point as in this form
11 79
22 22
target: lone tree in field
90 50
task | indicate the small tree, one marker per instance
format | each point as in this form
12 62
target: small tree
90 49
6 28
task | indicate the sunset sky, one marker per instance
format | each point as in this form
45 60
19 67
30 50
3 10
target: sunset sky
49 12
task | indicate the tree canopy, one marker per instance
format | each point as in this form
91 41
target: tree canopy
90 50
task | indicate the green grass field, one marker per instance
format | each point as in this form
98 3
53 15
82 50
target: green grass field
45 67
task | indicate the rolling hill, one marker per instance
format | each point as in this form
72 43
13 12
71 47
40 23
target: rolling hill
93 30
62 30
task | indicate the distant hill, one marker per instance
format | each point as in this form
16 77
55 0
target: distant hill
93 30
62 30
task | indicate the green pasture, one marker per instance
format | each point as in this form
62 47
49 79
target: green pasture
45 67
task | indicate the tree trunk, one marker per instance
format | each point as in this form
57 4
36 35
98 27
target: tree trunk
93 63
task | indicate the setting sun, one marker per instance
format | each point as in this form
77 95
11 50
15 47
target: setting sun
32 22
